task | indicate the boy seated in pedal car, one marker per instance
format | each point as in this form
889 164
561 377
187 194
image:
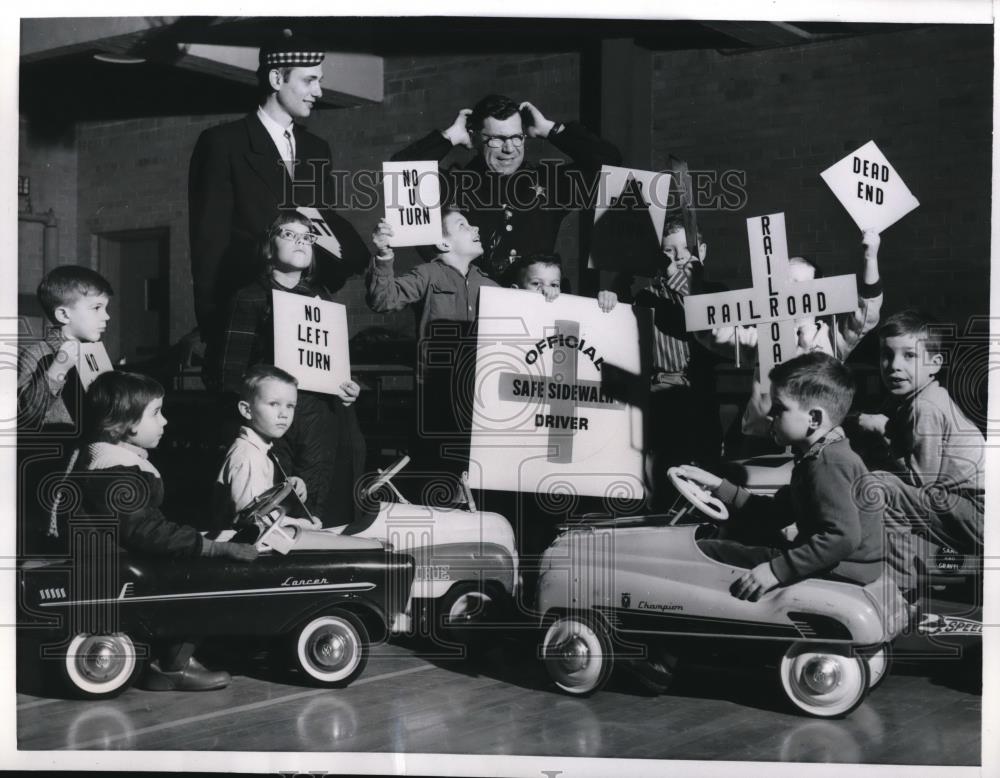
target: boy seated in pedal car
267 404
838 534
124 420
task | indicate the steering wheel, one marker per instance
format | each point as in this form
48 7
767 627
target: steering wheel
386 475
694 493
267 501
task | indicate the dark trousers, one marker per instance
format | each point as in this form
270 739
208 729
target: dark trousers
446 373
744 544
175 655
683 427
325 448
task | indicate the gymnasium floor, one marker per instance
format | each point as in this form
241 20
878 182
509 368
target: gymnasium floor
925 712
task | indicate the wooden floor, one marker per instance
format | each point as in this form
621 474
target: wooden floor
501 703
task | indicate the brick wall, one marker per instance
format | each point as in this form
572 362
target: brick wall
784 115
48 157
133 174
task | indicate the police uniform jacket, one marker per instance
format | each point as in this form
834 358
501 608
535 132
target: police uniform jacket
520 212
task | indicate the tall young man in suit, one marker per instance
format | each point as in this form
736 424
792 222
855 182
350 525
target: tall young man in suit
243 172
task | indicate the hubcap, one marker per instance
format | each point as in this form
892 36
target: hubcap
821 674
331 649
573 654
101 660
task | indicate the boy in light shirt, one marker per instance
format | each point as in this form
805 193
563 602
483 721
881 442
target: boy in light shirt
267 404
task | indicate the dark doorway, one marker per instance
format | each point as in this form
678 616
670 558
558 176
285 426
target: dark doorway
137 263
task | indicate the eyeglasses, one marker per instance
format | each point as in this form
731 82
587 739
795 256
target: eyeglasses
498 141
297 237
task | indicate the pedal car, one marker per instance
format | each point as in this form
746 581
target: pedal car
328 604
466 560
950 606
634 586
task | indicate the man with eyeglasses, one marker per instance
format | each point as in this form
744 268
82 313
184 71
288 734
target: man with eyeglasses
517 206
243 172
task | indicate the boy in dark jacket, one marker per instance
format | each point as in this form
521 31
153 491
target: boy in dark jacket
837 534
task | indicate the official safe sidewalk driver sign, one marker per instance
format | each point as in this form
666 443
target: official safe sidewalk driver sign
543 418
869 188
310 341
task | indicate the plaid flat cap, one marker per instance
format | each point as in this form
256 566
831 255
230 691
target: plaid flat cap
290 50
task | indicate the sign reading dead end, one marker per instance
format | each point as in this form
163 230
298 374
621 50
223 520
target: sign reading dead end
546 418
310 341
412 194
869 188
94 360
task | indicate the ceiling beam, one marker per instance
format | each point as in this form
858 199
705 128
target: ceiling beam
761 33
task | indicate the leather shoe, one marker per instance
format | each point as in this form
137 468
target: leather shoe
193 677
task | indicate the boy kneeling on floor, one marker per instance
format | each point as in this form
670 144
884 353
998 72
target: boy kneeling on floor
838 536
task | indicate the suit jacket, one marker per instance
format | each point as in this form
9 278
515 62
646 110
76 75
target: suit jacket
236 185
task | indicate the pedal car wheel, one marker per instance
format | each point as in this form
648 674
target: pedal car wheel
824 681
100 666
332 649
879 663
578 655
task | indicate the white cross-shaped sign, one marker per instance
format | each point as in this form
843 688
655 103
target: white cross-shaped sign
773 300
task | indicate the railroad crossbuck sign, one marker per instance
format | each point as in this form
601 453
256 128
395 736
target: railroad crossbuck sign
869 188
412 198
544 418
774 302
310 341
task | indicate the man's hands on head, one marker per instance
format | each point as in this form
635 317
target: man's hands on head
458 132
539 126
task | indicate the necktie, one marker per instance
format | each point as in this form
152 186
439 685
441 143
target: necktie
290 156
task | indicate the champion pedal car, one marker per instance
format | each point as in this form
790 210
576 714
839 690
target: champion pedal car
327 604
638 586
947 623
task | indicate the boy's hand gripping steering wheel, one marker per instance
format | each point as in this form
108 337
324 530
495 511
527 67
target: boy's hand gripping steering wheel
698 496
266 510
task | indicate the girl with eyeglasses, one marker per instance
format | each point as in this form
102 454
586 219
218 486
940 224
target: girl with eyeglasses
324 444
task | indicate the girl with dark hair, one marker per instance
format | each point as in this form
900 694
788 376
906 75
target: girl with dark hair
124 418
324 445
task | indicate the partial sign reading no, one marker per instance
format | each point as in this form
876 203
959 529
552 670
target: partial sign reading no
311 341
94 360
412 202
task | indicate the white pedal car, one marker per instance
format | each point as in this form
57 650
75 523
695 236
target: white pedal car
621 587
466 560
